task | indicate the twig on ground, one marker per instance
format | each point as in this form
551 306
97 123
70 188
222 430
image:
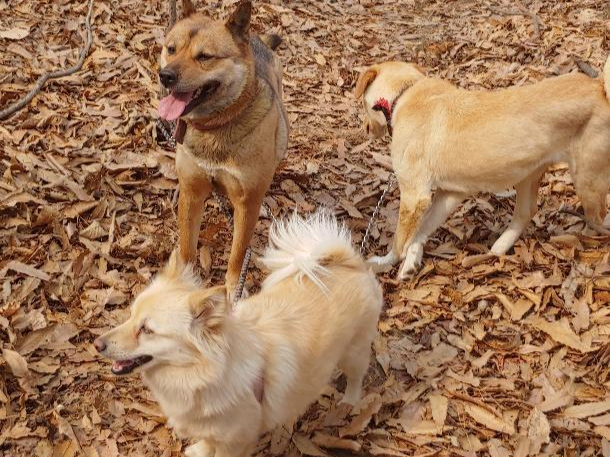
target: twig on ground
587 69
523 11
172 14
12 109
597 227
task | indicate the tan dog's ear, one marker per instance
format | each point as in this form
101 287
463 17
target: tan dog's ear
188 8
239 22
209 306
364 81
175 265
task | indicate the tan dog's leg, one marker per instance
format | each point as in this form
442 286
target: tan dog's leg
525 208
354 365
235 450
414 202
245 216
195 188
443 204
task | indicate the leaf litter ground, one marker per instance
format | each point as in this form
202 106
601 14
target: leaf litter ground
475 356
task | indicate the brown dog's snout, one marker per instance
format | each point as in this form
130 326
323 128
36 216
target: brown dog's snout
168 77
99 344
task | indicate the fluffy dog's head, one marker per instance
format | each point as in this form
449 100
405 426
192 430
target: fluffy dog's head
384 81
173 323
205 64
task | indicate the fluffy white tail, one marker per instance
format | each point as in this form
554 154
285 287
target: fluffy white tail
307 247
607 78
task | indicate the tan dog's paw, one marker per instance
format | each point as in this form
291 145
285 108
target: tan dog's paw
382 264
412 262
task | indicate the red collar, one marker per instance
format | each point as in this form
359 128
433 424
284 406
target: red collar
384 106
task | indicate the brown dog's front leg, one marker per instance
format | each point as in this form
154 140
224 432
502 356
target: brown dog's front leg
245 216
195 188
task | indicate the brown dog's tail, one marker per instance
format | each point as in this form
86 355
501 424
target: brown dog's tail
606 77
272 40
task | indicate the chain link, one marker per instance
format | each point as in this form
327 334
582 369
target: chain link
167 135
367 234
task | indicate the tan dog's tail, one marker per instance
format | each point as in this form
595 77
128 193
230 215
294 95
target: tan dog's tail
308 248
272 40
607 78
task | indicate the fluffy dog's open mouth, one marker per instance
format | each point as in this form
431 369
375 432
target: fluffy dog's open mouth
122 367
180 103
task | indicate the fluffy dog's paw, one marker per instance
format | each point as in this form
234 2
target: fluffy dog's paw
199 449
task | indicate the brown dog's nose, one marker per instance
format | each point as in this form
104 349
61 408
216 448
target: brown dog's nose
168 77
99 344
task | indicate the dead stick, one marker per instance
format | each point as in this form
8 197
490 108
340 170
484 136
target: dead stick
12 109
172 14
523 12
597 227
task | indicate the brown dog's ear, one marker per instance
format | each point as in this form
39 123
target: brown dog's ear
364 80
239 22
188 8
209 306
175 265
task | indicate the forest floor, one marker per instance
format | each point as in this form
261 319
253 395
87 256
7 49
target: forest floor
475 356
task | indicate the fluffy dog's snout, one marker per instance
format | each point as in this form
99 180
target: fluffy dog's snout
168 77
99 344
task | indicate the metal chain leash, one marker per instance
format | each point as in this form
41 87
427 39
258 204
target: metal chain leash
367 234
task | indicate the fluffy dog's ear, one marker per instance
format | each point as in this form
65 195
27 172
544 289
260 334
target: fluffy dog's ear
239 22
188 8
364 81
175 265
209 306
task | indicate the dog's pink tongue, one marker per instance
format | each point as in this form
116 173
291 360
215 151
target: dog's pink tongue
172 106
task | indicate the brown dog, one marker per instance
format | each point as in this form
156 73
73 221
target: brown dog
226 93
462 142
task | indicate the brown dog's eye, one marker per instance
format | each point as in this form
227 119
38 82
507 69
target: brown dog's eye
171 49
203 56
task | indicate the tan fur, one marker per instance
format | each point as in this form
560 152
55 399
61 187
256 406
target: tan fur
234 141
462 142
317 310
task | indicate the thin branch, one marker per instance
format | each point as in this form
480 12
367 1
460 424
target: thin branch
12 109
523 11
172 14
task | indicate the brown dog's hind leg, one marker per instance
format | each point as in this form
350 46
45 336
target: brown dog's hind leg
592 193
525 208
195 188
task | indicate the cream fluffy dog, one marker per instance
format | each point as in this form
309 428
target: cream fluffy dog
462 142
225 377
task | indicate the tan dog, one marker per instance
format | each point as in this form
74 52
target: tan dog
462 142
224 377
226 93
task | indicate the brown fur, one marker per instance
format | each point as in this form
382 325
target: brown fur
461 142
235 140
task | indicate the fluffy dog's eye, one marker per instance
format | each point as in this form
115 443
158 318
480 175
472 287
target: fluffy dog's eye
203 56
146 330
171 49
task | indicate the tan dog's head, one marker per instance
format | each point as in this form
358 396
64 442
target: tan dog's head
205 64
173 323
384 81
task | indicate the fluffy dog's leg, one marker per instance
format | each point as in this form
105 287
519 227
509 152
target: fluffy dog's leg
235 449
443 204
199 449
525 208
354 365
195 187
